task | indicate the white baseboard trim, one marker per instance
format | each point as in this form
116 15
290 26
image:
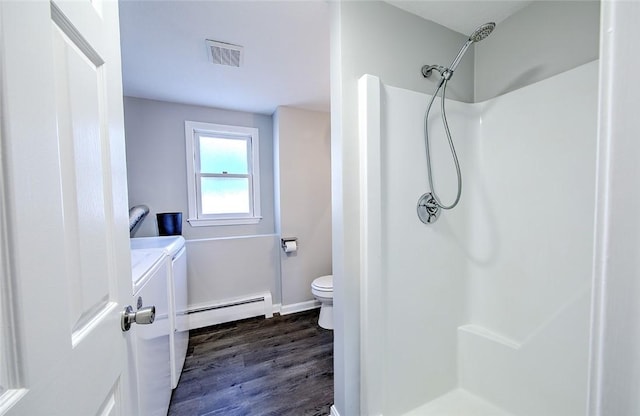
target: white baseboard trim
199 316
299 307
277 307
334 411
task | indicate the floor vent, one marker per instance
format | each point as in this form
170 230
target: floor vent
221 53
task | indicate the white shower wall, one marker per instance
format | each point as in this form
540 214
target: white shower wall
425 284
531 246
494 297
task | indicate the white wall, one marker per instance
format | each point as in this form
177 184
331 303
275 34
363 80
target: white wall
224 262
615 371
303 198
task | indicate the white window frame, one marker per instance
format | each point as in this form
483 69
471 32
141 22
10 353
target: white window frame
195 129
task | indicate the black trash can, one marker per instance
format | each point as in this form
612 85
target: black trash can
169 223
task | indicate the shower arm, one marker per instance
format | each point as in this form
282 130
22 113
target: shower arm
446 73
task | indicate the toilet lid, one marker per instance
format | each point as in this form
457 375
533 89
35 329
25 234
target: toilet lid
324 282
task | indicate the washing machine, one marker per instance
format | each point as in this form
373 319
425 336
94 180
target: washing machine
150 343
175 250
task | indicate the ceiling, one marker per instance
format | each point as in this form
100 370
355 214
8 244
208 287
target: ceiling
286 53
286 48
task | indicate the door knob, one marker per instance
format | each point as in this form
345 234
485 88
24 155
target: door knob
143 316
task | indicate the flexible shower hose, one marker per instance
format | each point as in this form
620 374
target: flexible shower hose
443 85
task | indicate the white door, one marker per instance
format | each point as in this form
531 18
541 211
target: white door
65 259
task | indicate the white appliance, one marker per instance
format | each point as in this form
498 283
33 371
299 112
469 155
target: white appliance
150 343
174 249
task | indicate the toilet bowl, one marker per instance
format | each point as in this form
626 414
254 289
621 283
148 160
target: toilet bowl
322 289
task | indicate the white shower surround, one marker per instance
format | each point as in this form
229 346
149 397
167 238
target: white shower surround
494 297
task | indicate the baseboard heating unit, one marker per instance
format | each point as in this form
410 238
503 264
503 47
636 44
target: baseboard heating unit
228 310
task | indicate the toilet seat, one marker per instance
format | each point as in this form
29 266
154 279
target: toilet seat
323 283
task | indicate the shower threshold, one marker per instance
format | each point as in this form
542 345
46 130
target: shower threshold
458 403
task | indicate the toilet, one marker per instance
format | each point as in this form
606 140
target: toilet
322 289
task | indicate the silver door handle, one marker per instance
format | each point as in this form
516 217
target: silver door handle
143 316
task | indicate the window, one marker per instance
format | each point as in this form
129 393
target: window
222 174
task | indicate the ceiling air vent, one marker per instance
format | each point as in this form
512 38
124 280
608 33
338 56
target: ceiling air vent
221 53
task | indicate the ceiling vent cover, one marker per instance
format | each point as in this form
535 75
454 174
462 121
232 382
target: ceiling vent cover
221 53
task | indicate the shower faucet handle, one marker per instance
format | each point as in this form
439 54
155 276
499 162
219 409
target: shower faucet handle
428 208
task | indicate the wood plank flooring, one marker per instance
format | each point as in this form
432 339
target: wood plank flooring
281 366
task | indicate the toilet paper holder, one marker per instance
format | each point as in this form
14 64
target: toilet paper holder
284 241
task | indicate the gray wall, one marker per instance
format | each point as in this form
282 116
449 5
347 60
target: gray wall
218 269
539 41
392 44
303 194
376 38
156 162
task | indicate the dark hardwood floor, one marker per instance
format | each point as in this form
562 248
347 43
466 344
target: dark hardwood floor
281 366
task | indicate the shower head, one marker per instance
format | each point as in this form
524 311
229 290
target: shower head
482 32
479 34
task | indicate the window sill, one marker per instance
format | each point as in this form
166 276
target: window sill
195 222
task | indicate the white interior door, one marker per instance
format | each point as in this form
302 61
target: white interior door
66 268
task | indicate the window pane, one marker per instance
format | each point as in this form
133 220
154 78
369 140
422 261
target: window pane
225 195
218 155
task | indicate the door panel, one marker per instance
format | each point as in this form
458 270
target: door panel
79 97
63 154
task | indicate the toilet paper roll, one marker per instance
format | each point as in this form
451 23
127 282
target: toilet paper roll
290 246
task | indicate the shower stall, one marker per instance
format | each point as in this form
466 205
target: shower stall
485 311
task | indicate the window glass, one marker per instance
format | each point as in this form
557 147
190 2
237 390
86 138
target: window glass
225 195
223 174
221 155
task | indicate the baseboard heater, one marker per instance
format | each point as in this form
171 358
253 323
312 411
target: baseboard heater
200 316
